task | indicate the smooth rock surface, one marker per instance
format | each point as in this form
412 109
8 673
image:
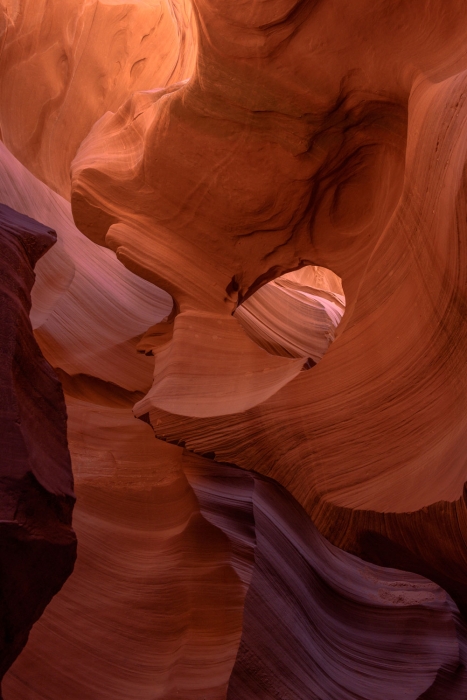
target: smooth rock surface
91 53
378 427
228 154
156 602
321 623
37 543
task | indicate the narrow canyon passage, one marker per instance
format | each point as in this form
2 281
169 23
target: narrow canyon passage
233 395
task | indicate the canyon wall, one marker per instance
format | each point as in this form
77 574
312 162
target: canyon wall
256 310
38 546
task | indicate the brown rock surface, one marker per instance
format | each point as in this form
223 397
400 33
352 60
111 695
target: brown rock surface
147 559
386 407
318 622
378 426
88 312
167 555
401 342
155 601
37 544
91 53
310 136
295 315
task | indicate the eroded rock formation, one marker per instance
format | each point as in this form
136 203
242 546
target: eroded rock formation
37 544
318 622
87 53
391 355
281 185
295 315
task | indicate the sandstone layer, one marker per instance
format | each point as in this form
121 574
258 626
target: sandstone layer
229 592
38 546
153 589
401 340
53 60
264 188
398 360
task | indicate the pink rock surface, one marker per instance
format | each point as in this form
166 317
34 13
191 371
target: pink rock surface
321 623
154 607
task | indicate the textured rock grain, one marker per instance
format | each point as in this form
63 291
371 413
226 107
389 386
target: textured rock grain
37 544
306 136
379 426
156 602
53 60
320 623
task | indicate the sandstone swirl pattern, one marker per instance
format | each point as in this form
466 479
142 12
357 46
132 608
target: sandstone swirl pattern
262 187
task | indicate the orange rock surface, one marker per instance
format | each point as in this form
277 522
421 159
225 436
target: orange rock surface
261 214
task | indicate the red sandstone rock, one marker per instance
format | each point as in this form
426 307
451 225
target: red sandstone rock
156 603
295 315
63 67
37 544
375 386
89 312
310 135
133 499
177 546
373 431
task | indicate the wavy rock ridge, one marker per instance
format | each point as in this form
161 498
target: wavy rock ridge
280 185
320 623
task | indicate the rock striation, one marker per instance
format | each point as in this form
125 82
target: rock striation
353 482
143 605
52 60
229 592
262 187
37 543
391 355
156 603
318 622
295 315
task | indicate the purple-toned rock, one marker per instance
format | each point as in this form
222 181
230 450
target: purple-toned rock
320 623
37 543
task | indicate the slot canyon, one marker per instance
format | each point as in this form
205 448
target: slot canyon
233 303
